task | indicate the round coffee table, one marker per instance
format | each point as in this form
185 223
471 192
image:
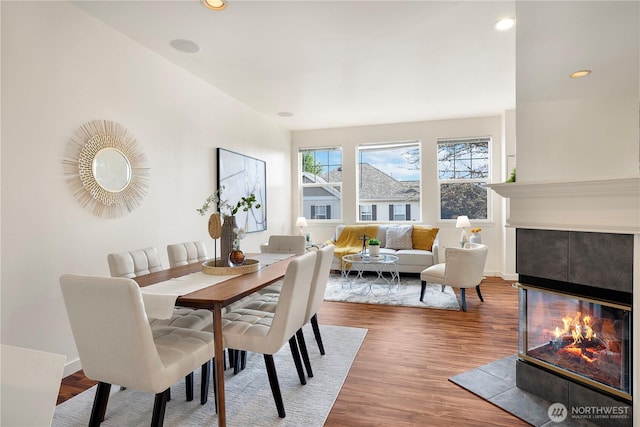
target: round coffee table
385 266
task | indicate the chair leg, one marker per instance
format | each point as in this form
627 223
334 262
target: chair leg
303 350
463 300
188 385
204 384
422 289
295 353
273 382
243 359
160 404
316 332
479 294
100 404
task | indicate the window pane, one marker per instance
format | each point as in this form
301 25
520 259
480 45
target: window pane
321 178
463 199
463 169
321 165
389 175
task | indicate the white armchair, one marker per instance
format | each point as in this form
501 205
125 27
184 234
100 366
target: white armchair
463 268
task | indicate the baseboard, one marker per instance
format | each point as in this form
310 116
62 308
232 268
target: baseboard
72 367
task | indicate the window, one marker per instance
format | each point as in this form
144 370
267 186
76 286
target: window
463 172
321 182
368 213
389 181
399 212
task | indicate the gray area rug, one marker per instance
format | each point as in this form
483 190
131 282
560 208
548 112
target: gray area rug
248 396
371 290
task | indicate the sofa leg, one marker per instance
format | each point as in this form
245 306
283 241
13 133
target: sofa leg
463 300
423 288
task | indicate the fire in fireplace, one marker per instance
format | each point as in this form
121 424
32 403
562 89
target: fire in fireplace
581 338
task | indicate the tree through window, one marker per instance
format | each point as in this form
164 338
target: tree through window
463 172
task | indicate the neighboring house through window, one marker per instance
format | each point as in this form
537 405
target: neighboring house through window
321 182
463 172
388 177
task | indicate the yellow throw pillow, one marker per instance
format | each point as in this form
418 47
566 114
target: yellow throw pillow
423 237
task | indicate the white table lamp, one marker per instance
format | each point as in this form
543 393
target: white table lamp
462 222
301 222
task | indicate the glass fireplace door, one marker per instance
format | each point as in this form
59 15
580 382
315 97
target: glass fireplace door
581 338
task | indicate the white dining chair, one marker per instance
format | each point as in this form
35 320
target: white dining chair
130 264
268 302
117 346
264 332
186 253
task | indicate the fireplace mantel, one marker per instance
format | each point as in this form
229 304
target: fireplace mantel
603 205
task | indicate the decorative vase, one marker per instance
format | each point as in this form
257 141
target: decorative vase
236 258
475 238
227 236
374 250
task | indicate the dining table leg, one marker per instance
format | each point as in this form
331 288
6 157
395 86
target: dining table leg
219 353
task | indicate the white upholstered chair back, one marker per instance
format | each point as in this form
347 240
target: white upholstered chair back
319 280
134 263
112 332
284 244
292 303
464 267
186 253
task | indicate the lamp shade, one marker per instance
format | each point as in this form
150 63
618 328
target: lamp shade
301 222
463 221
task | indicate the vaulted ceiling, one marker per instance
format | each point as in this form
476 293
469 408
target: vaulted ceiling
336 63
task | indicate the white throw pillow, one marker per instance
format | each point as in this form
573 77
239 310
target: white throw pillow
399 237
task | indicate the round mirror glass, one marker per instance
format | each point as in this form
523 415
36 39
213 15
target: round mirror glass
111 169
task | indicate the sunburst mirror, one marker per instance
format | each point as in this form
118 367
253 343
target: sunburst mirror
106 168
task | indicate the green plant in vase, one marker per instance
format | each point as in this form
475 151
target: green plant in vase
374 247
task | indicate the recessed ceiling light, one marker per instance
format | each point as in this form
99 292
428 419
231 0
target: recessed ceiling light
214 4
578 74
186 46
504 24
285 114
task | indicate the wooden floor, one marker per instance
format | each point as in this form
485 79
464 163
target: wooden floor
400 375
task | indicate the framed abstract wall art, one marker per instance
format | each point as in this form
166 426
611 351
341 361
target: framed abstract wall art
240 176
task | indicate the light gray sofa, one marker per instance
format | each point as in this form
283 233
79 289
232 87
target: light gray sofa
409 260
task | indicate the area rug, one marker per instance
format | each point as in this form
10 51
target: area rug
248 396
371 290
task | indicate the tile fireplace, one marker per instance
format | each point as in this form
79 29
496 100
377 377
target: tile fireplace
575 317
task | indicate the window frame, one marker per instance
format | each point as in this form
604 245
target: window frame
488 139
379 205
333 186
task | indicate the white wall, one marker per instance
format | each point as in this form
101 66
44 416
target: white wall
428 133
577 129
60 69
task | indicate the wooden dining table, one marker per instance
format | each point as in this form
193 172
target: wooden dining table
214 298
